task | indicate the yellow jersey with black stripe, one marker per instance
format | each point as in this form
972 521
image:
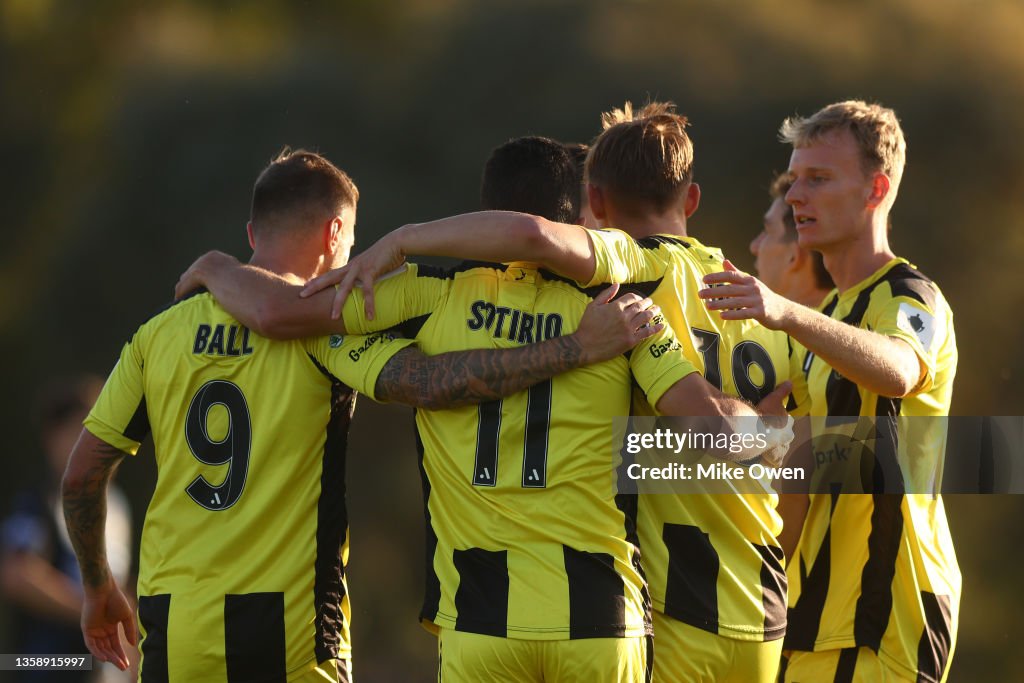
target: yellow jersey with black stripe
879 570
243 552
713 559
526 537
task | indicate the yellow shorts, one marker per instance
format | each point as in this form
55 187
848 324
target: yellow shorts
331 671
472 658
851 665
687 654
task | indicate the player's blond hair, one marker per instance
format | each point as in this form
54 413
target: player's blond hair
642 159
875 129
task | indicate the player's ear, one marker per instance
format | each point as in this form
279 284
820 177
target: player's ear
692 199
880 187
333 231
796 258
248 231
596 197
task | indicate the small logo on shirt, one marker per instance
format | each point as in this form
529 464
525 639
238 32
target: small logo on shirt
335 341
918 322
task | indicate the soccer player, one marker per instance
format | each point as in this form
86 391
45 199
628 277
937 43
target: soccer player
533 569
714 563
876 586
781 263
245 540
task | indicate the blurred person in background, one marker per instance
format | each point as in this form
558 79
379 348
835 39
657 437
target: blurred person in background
38 572
781 263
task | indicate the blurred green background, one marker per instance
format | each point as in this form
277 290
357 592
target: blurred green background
131 134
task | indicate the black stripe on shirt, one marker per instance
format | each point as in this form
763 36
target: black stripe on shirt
804 618
332 527
153 614
431 581
936 639
773 590
874 605
691 589
254 640
481 599
597 602
655 241
138 426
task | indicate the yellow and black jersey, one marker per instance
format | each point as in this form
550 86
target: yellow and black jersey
242 560
713 561
526 537
879 570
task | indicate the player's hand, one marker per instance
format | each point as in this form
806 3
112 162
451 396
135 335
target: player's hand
780 425
740 296
195 277
383 257
609 328
104 609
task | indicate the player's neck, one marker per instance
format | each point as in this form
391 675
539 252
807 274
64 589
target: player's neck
852 262
644 225
290 266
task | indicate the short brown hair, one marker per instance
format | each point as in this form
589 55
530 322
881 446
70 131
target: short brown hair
874 127
642 160
300 188
779 187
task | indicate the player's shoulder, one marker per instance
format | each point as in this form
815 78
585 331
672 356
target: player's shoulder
904 280
643 289
458 271
178 311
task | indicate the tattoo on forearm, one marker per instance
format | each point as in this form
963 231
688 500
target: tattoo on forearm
463 377
85 512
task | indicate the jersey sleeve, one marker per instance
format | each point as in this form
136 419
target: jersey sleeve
919 324
356 360
620 258
405 294
119 417
658 362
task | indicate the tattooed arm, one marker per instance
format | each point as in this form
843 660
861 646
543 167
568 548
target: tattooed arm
84 490
607 329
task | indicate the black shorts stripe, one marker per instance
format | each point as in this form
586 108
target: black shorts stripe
846 666
691 590
481 599
937 638
773 590
153 613
332 527
254 642
597 595
804 618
